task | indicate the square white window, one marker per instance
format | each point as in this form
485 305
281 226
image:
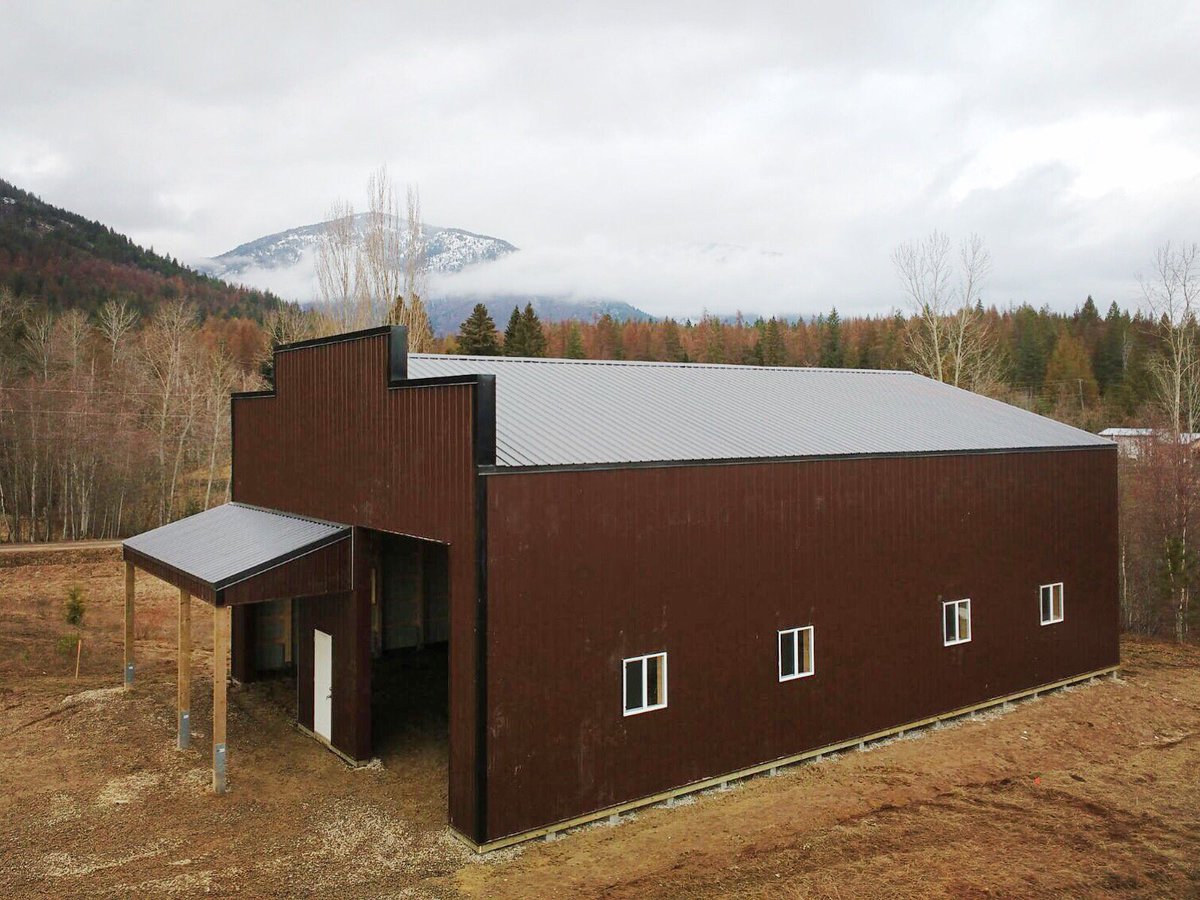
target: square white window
1052 603
795 653
645 683
956 622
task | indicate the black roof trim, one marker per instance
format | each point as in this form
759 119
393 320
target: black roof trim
757 460
282 559
336 338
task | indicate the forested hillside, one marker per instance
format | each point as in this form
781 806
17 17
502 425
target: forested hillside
65 261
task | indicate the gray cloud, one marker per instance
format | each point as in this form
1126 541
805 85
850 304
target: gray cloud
613 140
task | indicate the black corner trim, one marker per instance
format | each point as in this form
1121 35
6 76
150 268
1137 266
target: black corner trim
485 420
483 423
397 354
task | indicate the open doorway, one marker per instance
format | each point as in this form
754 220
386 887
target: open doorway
410 632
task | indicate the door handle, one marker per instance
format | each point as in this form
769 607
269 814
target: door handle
329 696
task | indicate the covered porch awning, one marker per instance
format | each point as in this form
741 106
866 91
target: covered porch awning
232 554
235 554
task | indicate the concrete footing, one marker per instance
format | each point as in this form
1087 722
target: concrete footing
219 768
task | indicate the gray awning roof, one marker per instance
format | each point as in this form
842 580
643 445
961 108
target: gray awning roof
553 412
226 544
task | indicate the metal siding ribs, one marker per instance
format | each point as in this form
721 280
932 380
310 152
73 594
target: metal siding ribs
226 543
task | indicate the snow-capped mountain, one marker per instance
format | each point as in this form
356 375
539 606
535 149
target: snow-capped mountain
284 263
448 249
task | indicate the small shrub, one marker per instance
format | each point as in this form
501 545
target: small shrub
76 607
67 643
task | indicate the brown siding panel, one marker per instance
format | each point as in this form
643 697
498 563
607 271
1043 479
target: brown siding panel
586 568
336 443
325 570
194 586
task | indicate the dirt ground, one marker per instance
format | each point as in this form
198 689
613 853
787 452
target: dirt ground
1091 791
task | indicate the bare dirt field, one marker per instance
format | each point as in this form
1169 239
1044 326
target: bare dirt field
1091 791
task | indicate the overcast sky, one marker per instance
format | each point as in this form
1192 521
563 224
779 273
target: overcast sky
615 143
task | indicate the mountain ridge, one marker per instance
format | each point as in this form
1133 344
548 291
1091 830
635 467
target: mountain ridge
447 249
285 258
66 260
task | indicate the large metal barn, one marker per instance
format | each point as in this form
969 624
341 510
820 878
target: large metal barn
645 578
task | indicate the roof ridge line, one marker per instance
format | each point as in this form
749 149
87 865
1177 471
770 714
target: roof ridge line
653 363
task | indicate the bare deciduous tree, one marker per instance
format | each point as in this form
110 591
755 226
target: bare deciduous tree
38 341
71 330
376 273
949 338
339 270
1171 296
167 347
115 320
382 251
416 277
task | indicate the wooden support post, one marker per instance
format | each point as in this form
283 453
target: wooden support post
128 626
220 686
185 669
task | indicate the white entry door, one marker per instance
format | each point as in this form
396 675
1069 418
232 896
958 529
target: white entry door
322 684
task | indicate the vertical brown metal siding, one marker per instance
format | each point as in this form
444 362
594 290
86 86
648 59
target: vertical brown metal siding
334 442
708 563
323 571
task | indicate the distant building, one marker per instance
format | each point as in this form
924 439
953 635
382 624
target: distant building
1132 441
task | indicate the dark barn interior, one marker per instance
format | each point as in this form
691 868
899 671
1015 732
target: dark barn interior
409 648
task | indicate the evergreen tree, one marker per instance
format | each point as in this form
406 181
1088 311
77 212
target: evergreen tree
574 349
1069 372
608 333
514 335
753 354
671 342
1108 360
774 351
1088 315
832 355
1033 341
535 336
477 335
714 346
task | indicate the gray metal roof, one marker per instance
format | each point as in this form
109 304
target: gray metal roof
226 544
576 412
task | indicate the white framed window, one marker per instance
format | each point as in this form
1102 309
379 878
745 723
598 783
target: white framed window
796 653
644 683
956 622
1052 603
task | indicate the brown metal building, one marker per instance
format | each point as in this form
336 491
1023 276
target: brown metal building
647 578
